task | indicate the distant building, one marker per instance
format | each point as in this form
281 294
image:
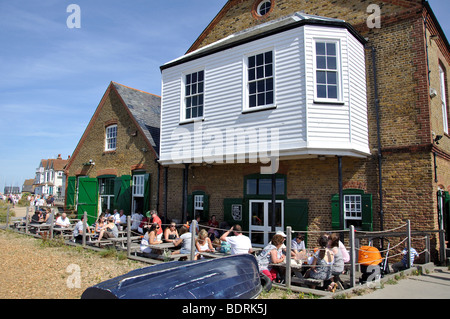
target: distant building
28 186
11 190
50 178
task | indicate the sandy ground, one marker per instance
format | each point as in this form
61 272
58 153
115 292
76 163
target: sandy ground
32 270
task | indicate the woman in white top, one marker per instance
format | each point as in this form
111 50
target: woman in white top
203 243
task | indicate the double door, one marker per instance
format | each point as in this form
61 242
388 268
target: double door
260 220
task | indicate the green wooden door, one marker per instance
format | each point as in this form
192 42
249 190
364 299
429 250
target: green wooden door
88 198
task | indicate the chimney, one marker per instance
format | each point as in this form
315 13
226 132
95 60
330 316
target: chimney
59 156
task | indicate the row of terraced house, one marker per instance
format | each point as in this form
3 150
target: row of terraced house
308 106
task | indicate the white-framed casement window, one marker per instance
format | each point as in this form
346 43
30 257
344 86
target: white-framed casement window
327 70
198 204
138 185
260 80
444 99
111 138
352 210
194 84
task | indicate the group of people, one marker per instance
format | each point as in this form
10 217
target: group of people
326 263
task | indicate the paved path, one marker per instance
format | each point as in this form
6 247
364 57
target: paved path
435 285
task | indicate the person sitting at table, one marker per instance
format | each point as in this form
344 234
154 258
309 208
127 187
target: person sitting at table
171 233
240 244
62 221
213 224
298 250
110 230
37 217
271 254
150 238
100 224
322 262
153 214
203 243
78 230
185 240
136 219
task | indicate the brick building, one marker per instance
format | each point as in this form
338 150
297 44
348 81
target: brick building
114 164
355 147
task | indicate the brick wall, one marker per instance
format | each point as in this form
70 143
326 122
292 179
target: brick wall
128 154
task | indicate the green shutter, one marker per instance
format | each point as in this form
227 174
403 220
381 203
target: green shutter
206 207
228 204
122 193
335 213
147 193
296 215
367 216
70 196
88 199
446 214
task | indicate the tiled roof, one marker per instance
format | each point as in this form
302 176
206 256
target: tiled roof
146 109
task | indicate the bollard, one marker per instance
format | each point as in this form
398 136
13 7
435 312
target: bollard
52 222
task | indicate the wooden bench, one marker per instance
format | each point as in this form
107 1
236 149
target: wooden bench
307 281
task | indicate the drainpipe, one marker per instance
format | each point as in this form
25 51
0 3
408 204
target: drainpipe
380 155
185 191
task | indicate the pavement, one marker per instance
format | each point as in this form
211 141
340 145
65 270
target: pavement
432 285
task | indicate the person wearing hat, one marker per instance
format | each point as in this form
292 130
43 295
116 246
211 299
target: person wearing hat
153 214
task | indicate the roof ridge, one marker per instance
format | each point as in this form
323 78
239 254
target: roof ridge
131 88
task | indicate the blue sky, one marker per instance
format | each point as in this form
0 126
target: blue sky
53 77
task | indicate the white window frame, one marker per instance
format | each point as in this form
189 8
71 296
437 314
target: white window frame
443 99
339 98
353 209
198 202
111 138
138 185
258 10
185 96
247 81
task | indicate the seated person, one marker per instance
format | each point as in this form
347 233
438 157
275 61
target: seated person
171 233
110 230
203 243
62 221
185 241
78 230
298 250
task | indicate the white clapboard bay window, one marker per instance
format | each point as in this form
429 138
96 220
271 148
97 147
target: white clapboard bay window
296 85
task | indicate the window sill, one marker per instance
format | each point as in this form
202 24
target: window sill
259 108
332 102
198 119
109 152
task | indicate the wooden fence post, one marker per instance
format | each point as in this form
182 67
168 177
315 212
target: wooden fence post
128 236
408 243
26 222
83 243
193 228
352 256
288 256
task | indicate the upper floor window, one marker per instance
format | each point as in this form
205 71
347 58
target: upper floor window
444 98
260 80
194 95
111 138
327 70
264 7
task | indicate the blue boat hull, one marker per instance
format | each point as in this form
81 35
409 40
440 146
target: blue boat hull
234 277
